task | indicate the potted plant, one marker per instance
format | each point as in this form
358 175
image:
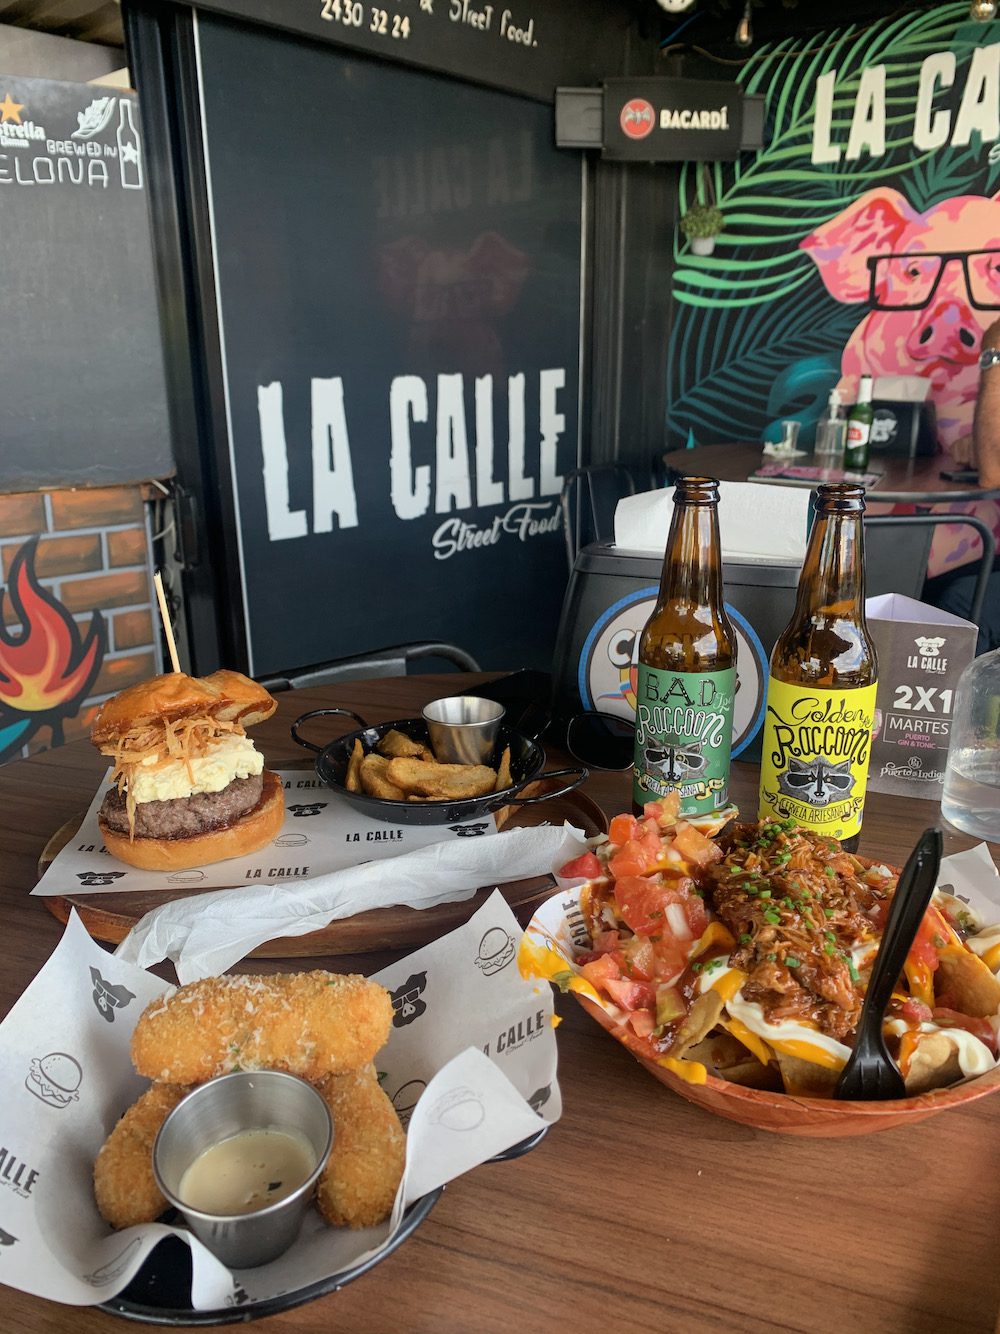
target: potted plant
701 224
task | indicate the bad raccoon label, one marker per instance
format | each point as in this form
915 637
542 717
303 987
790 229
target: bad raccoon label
683 737
814 759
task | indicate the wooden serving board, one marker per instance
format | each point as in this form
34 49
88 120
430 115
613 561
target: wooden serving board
110 917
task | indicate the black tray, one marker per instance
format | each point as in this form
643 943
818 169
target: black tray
160 1293
527 761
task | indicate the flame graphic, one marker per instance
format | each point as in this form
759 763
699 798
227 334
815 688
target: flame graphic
48 667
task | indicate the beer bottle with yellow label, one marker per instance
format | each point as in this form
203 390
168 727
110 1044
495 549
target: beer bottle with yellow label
820 710
687 666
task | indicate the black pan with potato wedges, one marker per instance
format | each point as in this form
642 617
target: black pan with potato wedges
435 794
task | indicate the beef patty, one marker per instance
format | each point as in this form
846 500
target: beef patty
183 816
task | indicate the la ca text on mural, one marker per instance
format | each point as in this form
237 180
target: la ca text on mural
934 123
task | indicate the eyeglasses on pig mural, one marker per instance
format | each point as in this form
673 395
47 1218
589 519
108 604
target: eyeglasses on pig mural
910 281
47 666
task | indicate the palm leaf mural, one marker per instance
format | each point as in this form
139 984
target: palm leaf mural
756 306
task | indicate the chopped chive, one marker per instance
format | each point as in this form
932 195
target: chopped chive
765 893
828 948
828 911
830 936
772 916
791 962
771 958
855 976
745 938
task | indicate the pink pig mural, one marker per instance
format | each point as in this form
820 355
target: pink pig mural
930 277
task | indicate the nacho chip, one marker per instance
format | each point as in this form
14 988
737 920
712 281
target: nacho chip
934 1063
374 776
353 780
441 782
699 1021
396 744
963 982
725 1058
806 1078
504 776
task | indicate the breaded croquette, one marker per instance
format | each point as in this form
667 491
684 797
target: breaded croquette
124 1184
310 1024
359 1183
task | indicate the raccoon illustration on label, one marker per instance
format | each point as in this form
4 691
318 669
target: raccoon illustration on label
674 761
819 782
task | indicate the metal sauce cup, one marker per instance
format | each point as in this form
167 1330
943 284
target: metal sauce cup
463 728
231 1105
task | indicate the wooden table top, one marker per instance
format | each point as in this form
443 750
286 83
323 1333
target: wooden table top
639 1211
908 481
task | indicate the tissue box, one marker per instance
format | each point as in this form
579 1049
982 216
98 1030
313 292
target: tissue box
922 652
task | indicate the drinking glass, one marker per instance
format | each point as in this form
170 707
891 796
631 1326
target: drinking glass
971 797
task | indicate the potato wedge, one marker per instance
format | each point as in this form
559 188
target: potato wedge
396 744
375 779
441 782
353 779
504 777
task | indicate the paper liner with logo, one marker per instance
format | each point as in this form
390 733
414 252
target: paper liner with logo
557 935
67 1078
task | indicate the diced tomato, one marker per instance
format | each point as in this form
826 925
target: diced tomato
670 957
601 970
605 942
630 995
695 847
664 811
586 867
646 905
932 937
981 1028
638 959
916 1011
642 1022
639 856
622 828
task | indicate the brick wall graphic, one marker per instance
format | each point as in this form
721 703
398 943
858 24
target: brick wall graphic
76 611
48 667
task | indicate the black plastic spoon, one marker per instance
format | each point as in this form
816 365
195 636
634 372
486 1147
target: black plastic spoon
871 1074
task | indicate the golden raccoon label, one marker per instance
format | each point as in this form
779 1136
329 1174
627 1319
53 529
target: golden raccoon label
815 754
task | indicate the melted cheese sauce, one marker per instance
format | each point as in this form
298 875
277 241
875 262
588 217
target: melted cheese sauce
231 756
247 1172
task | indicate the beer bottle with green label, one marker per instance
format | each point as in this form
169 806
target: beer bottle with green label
687 666
820 710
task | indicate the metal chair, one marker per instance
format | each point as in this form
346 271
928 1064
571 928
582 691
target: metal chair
367 666
897 547
588 500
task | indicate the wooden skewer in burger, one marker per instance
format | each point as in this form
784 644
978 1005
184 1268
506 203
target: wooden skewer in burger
188 785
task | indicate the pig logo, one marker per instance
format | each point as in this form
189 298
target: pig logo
469 830
6 1238
932 281
311 808
819 782
929 648
406 1002
539 1098
98 879
637 118
109 996
406 1098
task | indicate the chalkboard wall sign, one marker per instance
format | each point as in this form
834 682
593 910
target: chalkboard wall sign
527 48
398 266
82 394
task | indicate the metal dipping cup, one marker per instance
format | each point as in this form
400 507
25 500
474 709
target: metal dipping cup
227 1106
463 728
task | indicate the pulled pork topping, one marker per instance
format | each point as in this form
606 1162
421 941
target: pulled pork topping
798 907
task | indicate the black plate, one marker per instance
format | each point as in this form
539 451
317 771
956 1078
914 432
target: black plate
160 1293
527 761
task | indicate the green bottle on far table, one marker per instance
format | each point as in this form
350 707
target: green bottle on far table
859 428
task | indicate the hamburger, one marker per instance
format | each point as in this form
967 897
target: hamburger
188 785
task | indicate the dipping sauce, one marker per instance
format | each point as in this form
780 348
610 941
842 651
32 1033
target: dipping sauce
247 1171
